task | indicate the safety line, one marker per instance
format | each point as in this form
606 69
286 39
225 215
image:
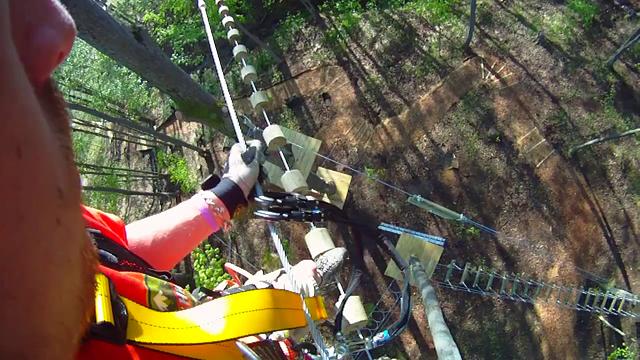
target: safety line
393 187
223 81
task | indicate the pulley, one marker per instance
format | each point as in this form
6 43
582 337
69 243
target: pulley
248 74
274 137
354 315
223 10
318 241
259 99
228 22
240 52
233 35
293 182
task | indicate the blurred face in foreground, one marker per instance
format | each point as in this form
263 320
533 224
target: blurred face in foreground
48 264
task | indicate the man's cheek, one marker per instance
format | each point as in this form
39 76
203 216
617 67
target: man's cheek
54 108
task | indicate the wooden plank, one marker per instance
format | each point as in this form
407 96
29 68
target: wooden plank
427 253
303 157
342 182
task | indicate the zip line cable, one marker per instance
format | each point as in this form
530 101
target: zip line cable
457 217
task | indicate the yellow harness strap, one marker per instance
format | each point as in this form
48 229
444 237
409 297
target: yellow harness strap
209 330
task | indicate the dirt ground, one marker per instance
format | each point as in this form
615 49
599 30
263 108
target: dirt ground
506 114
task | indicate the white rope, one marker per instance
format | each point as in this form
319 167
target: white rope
223 82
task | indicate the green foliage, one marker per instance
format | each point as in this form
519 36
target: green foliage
586 10
208 266
465 118
106 201
288 119
286 245
262 60
179 171
271 261
466 232
610 113
346 16
472 232
177 26
560 121
622 353
387 4
560 27
265 64
436 11
89 76
287 31
369 308
374 173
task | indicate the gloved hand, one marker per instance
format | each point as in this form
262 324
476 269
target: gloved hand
244 168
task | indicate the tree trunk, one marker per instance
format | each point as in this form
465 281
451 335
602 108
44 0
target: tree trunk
134 49
446 347
135 126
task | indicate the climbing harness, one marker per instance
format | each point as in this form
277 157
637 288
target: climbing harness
203 331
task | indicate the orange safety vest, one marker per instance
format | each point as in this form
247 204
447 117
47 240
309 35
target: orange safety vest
136 286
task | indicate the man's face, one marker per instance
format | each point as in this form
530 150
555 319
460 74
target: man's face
46 274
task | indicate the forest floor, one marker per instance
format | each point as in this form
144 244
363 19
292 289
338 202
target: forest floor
486 133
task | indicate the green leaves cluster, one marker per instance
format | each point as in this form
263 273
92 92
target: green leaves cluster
177 26
374 173
105 201
586 10
178 170
208 266
436 11
347 13
622 353
285 34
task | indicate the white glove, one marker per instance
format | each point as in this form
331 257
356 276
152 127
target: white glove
242 174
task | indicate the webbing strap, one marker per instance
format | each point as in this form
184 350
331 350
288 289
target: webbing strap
209 330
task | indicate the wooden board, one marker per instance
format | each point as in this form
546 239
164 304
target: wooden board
408 245
342 182
304 157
